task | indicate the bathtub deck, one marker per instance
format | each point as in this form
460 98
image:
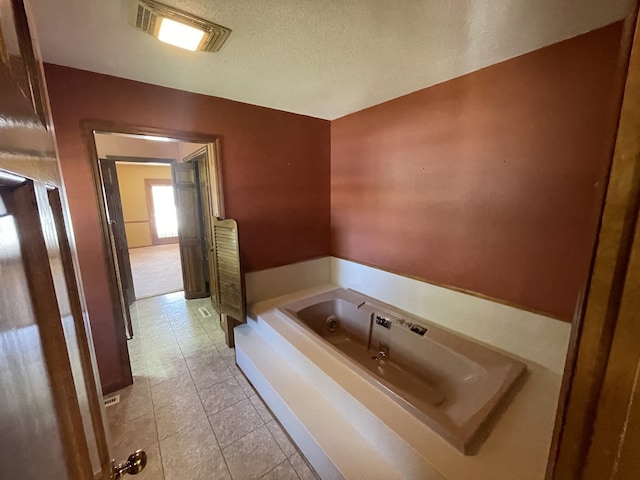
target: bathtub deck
324 405
334 448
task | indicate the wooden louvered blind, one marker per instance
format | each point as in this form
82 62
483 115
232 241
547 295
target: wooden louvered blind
230 291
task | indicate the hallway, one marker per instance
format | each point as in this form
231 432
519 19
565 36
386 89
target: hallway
190 408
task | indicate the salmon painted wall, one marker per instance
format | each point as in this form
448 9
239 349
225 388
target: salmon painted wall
275 169
491 182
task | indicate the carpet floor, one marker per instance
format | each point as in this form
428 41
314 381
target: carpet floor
156 270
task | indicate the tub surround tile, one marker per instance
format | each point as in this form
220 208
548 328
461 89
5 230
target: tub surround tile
535 337
234 422
531 336
253 455
187 448
278 281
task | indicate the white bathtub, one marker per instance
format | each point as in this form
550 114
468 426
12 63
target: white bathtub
455 386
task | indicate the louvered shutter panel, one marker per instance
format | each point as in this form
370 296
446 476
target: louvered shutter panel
230 288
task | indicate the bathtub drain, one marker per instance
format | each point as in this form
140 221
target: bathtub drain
332 324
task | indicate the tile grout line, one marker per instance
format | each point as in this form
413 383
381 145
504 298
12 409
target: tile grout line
207 414
153 407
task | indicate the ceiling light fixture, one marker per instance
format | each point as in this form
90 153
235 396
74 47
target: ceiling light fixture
176 27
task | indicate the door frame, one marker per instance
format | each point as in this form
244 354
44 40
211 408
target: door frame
587 416
88 128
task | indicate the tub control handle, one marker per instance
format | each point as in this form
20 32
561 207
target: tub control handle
384 322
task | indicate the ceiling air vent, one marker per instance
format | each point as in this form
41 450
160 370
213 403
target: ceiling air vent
177 27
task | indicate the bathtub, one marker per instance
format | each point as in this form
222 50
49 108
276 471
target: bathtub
455 386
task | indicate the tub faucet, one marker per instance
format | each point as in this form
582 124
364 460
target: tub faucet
383 350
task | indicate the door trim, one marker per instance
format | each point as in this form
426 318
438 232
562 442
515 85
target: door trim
88 127
599 316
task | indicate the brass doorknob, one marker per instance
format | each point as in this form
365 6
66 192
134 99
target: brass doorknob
134 464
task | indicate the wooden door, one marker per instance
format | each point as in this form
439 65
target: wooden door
190 230
115 217
51 420
205 190
117 231
205 194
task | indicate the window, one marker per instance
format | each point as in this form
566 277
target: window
162 211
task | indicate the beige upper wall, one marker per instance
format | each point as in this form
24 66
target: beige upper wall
134 201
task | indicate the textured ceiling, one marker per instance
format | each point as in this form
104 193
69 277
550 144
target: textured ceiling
323 58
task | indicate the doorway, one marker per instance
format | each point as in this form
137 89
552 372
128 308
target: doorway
157 195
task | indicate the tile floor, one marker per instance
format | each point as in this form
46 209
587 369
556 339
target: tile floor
190 408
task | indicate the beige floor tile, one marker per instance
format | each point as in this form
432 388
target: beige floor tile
135 401
171 390
187 328
193 345
253 455
231 363
284 471
175 309
172 418
129 436
233 422
152 326
245 385
146 309
161 370
187 448
152 319
217 337
283 440
260 407
302 469
211 374
139 369
213 468
211 327
162 346
173 297
202 358
221 395
166 330
225 351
